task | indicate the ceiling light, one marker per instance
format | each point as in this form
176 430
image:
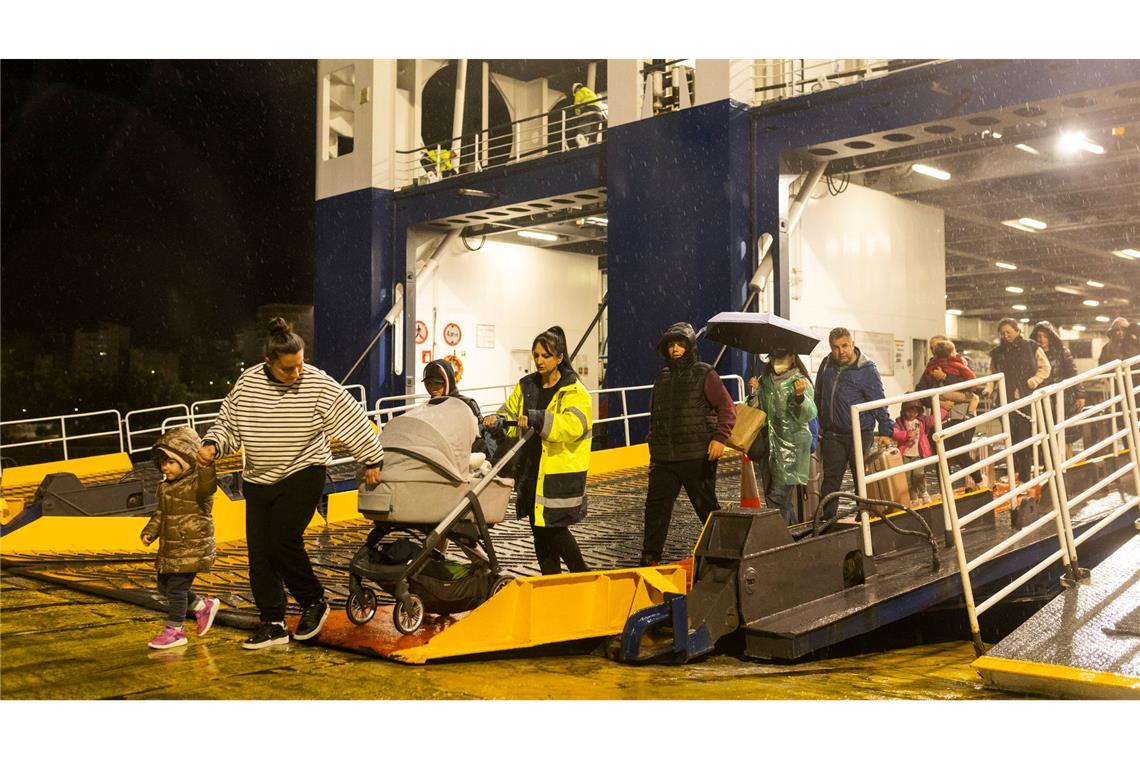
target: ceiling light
600 220
1071 142
1027 149
1024 320
473 193
996 135
930 171
1066 290
1014 289
1127 253
1080 328
1091 302
537 235
1025 224
1019 307
1102 318
955 312
1004 265
1094 284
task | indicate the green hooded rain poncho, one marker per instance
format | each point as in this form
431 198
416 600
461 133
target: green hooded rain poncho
789 439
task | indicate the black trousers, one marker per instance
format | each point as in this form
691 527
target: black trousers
1021 428
179 598
837 455
697 476
275 520
552 545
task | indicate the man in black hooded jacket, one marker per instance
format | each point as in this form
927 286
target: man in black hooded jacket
691 416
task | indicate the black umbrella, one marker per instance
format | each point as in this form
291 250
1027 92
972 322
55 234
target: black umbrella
759 333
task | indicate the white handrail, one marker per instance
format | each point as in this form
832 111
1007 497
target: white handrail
63 438
160 429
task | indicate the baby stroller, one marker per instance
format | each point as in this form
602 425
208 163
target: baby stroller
428 490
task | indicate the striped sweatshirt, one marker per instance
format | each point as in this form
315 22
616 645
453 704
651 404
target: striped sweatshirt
286 428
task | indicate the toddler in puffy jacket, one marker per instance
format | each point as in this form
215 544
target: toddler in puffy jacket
184 526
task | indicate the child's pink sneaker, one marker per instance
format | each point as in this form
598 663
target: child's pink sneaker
205 616
169 638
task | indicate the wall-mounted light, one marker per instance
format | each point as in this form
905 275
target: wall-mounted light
537 235
1005 265
473 193
931 171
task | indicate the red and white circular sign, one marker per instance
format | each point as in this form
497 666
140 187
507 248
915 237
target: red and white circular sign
421 331
452 334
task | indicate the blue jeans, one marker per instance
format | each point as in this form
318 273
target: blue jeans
783 498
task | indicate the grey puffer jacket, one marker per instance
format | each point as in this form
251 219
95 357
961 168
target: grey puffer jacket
184 522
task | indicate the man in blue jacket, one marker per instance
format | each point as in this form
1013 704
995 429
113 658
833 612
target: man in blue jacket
845 378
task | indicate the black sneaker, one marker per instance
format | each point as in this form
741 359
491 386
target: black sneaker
267 635
312 619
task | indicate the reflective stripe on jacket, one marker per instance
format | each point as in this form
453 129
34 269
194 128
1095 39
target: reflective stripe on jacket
565 428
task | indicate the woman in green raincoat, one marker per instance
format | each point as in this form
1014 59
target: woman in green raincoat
784 393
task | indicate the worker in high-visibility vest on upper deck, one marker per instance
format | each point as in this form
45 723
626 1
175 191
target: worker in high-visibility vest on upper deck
589 115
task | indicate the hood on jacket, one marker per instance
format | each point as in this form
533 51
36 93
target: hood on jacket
1045 326
441 369
182 444
681 331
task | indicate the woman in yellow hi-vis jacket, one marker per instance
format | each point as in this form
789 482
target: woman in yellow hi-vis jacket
550 480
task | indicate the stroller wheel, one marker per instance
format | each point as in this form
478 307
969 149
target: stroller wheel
500 583
361 605
409 616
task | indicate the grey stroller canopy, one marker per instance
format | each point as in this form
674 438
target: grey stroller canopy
438 435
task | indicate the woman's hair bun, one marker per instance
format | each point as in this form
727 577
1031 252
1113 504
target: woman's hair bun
278 325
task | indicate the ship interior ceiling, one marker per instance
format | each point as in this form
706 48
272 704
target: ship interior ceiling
1041 202
575 223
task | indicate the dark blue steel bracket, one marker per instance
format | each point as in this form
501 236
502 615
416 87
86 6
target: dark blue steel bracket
686 645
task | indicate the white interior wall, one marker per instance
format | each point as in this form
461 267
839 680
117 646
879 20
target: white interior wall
872 263
514 292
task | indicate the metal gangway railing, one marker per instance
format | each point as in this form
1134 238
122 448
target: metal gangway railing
1046 405
935 397
544 134
780 78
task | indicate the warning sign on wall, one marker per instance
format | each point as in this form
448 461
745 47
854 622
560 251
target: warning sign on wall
421 331
452 334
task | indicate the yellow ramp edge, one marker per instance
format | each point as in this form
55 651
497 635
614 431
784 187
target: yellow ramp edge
33 474
549 609
1055 680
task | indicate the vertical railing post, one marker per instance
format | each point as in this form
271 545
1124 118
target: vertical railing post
1054 459
1131 421
860 480
564 147
944 484
625 415
1010 469
63 433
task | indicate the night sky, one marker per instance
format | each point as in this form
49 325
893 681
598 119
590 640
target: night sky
174 197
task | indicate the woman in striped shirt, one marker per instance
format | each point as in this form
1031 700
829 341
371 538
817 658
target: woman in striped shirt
282 414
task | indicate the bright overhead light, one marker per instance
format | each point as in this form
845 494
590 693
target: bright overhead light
1004 265
1019 307
1080 328
955 312
1025 224
1102 318
1027 149
931 171
1014 289
1127 253
996 135
1071 142
1024 320
1066 290
1091 302
537 235
599 220
1094 284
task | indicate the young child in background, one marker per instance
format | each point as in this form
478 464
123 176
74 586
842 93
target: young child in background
912 431
184 526
947 360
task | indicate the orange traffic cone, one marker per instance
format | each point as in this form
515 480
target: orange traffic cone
749 491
